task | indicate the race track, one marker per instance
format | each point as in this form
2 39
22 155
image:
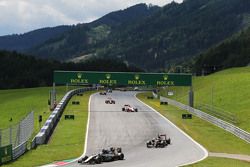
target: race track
110 127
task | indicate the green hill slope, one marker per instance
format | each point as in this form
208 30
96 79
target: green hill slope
163 37
17 103
234 52
228 90
80 40
21 42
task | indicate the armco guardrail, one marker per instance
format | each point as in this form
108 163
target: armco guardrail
45 132
218 122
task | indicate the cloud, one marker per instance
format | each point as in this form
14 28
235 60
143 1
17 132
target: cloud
19 16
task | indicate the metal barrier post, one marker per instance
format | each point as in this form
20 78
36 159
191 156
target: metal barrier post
191 97
0 138
19 134
10 131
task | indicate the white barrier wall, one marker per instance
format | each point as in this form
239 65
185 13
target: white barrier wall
48 127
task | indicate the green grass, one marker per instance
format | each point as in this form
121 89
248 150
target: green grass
214 139
228 90
67 141
17 103
221 162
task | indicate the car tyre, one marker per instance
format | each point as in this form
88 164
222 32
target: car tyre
121 156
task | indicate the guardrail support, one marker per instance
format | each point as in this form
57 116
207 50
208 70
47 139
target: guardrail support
0 138
191 97
216 121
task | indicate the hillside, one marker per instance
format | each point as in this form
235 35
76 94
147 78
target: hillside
162 38
234 52
21 42
228 90
21 71
83 37
25 42
178 32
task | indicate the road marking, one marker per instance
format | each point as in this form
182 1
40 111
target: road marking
203 149
87 129
87 132
85 144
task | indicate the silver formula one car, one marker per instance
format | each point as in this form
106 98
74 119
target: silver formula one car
106 155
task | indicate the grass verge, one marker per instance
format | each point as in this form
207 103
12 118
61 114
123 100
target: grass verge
229 90
214 139
68 138
220 162
17 103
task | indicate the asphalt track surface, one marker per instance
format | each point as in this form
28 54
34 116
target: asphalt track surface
109 127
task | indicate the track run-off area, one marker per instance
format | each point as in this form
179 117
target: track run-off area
109 126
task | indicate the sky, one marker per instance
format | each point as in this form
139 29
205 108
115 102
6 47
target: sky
19 16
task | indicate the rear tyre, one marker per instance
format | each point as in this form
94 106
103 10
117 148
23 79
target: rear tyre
149 145
169 141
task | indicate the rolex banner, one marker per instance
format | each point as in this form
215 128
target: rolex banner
5 154
121 78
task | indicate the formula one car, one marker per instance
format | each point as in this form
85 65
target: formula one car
103 93
128 108
109 90
109 101
160 142
106 155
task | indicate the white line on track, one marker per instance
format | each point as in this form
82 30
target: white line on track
87 129
86 139
199 145
86 134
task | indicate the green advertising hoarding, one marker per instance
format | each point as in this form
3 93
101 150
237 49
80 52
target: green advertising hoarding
121 78
5 154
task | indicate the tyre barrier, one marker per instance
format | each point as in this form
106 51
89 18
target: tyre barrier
44 134
155 95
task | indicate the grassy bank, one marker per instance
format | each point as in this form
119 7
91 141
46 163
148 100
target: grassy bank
228 90
220 162
68 138
211 137
17 103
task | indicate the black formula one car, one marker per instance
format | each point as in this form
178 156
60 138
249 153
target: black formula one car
106 155
103 93
128 108
110 101
160 142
